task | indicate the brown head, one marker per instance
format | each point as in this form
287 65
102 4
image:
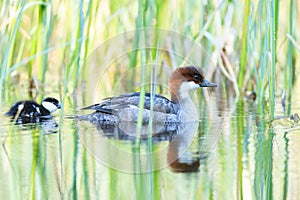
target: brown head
185 79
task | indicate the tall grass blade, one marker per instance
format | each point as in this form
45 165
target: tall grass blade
244 49
47 16
286 166
273 36
289 70
78 50
240 135
6 62
35 155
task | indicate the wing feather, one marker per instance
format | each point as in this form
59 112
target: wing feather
114 104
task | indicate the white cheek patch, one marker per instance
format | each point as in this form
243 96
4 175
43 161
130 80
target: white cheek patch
49 106
186 87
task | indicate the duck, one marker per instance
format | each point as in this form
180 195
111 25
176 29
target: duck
31 109
180 108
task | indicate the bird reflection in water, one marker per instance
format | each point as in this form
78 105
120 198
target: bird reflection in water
179 155
128 131
47 125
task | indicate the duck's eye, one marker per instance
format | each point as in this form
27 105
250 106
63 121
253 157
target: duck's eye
196 77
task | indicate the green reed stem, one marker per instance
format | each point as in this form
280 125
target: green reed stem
240 135
286 166
87 171
142 96
61 117
47 16
41 163
140 40
273 36
79 36
37 47
35 142
8 56
89 19
258 171
289 72
74 189
268 159
243 55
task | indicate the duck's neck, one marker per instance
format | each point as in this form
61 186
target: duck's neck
188 109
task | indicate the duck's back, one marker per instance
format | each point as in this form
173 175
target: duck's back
25 109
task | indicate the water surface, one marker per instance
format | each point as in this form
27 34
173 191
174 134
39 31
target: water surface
233 151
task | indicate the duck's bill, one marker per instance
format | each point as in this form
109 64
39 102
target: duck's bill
206 83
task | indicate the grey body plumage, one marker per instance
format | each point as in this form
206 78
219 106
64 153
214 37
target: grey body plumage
125 108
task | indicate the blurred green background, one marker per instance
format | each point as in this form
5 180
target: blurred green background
253 43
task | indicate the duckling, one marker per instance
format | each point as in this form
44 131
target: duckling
31 109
